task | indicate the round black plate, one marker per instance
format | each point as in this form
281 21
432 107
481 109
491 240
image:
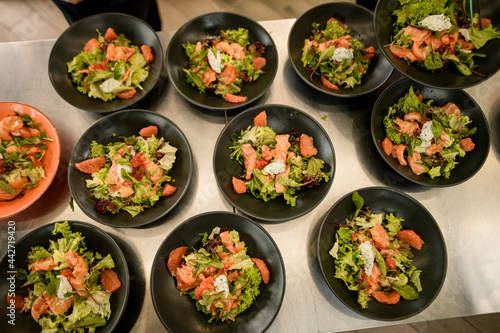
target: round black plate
451 79
469 165
431 259
360 21
179 314
94 238
282 119
71 42
210 25
110 129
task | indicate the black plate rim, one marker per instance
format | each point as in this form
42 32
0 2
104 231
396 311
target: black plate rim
424 179
430 83
73 187
366 313
129 103
160 253
50 227
265 218
230 106
316 87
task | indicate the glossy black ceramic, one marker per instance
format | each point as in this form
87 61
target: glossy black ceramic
469 165
431 259
179 314
451 79
94 238
282 119
210 25
110 129
360 22
71 43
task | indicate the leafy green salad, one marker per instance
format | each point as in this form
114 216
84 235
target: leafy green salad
131 174
220 276
338 58
373 256
66 288
436 34
429 138
110 66
275 164
23 145
223 64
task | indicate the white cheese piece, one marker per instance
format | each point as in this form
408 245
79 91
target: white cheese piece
436 22
342 53
109 85
221 284
215 231
119 168
64 287
426 133
275 167
368 256
215 61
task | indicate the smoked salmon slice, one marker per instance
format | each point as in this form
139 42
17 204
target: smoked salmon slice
306 145
250 159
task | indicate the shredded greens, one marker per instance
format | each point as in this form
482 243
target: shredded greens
358 247
333 54
102 75
81 310
441 48
223 64
135 174
22 150
439 139
230 280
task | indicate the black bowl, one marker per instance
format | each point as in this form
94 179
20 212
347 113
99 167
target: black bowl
282 119
431 259
360 21
110 129
209 25
451 79
94 238
469 165
71 42
179 314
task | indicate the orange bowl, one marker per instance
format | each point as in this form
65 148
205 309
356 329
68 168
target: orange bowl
50 161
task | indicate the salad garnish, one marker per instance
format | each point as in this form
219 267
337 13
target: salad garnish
275 164
334 55
427 138
22 148
222 64
373 256
68 286
131 174
110 66
220 276
435 34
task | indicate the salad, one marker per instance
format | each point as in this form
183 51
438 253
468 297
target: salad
373 256
438 33
68 286
22 148
427 138
110 67
275 164
131 174
220 276
335 56
222 64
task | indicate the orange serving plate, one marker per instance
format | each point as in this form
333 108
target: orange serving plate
50 160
